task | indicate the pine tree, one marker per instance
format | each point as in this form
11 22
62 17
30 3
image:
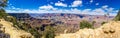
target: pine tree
3 3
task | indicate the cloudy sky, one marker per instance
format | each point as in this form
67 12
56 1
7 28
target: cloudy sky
94 7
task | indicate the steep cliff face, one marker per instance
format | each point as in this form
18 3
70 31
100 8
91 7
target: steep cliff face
8 28
108 30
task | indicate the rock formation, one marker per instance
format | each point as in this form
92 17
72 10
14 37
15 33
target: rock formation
12 31
108 30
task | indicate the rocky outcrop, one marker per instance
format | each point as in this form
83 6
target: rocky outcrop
108 30
7 27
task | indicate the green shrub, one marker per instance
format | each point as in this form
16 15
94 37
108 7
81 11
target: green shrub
49 32
34 32
28 28
117 18
3 14
93 22
85 24
103 23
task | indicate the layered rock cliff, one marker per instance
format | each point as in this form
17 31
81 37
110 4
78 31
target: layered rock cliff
108 30
7 27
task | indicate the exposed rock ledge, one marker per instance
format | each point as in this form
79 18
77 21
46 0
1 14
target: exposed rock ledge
12 31
108 30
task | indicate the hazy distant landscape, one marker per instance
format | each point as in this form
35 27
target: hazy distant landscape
62 18
62 21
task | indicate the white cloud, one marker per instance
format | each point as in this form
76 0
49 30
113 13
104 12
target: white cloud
105 6
86 11
97 11
110 9
60 4
76 3
97 4
91 12
91 1
13 8
47 7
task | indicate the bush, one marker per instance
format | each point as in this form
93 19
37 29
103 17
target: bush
34 32
28 28
93 22
103 23
117 18
49 32
3 14
6 16
85 24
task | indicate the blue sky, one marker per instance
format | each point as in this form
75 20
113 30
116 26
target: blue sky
64 6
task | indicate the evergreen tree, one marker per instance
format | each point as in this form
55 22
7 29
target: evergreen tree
3 3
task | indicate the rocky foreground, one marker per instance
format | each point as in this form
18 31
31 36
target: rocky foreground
108 30
7 27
